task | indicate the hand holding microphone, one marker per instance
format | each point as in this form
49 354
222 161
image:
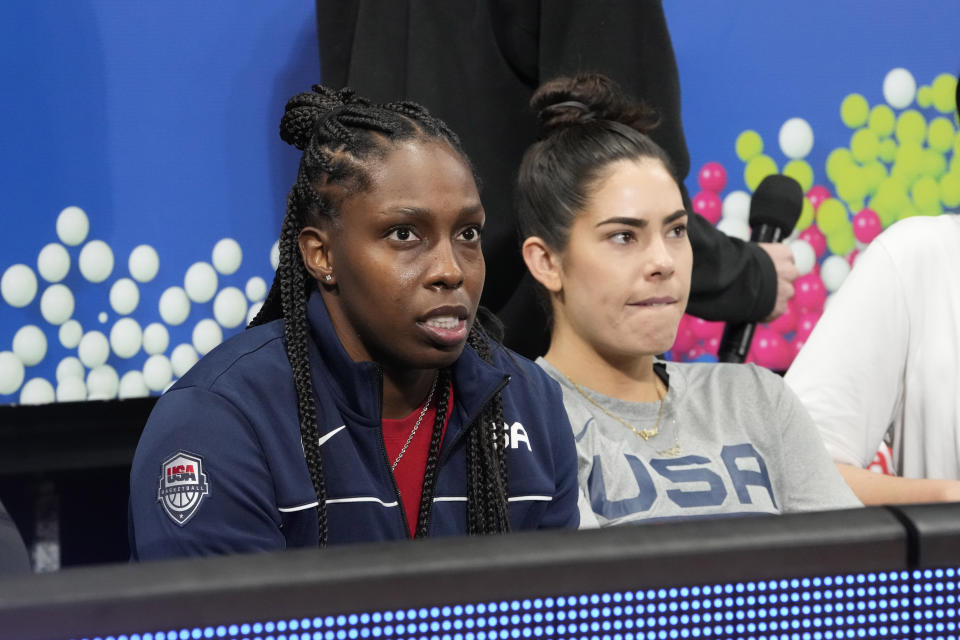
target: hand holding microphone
774 210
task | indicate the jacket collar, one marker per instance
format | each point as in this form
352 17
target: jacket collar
356 386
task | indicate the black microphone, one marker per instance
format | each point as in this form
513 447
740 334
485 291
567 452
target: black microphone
774 210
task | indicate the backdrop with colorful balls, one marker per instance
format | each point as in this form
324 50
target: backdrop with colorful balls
143 180
895 153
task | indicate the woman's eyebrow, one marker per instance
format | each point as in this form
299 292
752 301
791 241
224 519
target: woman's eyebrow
641 222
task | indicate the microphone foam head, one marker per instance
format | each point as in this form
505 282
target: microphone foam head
777 202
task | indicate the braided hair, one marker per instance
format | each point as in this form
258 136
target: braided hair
341 135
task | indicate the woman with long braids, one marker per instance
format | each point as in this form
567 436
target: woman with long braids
364 402
605 236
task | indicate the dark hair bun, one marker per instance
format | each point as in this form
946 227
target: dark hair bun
305 111
572 100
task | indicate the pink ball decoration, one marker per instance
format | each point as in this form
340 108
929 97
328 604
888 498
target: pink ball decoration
817 194
809 293
692 354
712 177
853 256
686 339
815 237
704 329
787 321
712 345
709 205
805 324
770 349
866 225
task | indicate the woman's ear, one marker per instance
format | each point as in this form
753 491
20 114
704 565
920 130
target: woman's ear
317 258
543 263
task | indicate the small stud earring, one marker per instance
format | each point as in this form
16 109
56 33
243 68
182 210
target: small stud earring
328 277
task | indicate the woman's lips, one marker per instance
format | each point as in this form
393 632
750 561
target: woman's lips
446 330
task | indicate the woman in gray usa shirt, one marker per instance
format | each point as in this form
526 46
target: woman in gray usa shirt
605 236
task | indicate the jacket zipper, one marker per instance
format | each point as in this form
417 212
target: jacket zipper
386 460
470 421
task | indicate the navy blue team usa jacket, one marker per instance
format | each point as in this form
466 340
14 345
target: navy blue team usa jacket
220 467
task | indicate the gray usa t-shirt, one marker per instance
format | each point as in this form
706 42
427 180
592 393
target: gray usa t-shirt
733 439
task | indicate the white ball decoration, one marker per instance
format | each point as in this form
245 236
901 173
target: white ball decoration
18 286
126 337
254 310
93 350
124 296
102 383
899 88
230 307
71 390
156 338
174 306
37 391
56 304
11 372
70 334
133 385
143 263
30 344
734 228
157 372
796 138
53 262
804 257
200 282
69 367
736 206
256 289
275 255
96 261
833 272
183 357
227 256
72 226
206 335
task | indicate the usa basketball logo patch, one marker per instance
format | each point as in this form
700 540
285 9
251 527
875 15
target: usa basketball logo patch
183 486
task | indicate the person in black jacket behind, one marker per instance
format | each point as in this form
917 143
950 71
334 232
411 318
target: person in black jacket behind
476 65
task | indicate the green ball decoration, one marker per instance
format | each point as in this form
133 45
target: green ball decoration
852 186
906 212
908 162
925 96
940 134
882 121
949 191
749 145
933 164
831 215
911 127
806 216
887 150
841 241
758 168
864 145
801 171
944 92
875 173
854 110
926 194
891 198
839 160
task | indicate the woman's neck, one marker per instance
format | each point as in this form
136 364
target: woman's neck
630 378
405 391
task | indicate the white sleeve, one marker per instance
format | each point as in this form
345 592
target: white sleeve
849 374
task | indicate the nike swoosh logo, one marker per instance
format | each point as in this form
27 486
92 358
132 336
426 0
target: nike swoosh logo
331 434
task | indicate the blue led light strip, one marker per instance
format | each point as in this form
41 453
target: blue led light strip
901 604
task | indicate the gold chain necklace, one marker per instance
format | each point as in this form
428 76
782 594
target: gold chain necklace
643 434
